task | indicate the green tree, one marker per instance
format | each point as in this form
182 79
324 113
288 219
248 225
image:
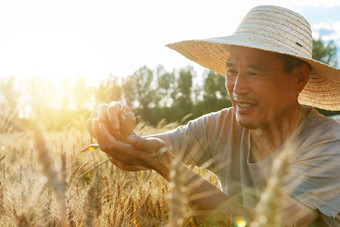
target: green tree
81 94
214 86
128 91
139 92
166 87
215 95
184 91
325 52
38 100
109 90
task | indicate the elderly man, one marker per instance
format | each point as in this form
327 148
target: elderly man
273 84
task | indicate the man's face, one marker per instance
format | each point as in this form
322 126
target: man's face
261 92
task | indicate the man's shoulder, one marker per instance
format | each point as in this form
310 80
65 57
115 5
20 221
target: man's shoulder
217 121
318 135
324 126
221 114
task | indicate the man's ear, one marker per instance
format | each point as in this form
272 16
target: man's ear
302 74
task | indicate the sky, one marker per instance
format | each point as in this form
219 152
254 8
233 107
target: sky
93 39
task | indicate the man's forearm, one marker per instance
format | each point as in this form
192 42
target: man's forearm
203 197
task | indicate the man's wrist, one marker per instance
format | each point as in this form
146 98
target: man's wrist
162 163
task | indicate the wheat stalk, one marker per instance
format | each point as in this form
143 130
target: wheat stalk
53 179
89 208
1 199
267 213
177 196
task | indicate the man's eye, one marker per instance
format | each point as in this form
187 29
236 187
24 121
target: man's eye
253 74
231 72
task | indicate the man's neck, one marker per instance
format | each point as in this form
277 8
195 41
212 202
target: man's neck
265 141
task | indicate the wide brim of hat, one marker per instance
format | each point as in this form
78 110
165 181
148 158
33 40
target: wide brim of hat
323 87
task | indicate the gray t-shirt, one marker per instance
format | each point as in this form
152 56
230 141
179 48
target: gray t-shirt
314 170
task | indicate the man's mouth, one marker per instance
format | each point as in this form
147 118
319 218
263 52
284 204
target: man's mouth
246 105
245 108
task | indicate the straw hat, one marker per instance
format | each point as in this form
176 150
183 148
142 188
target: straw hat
274 29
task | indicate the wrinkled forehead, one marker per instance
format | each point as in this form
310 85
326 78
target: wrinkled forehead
240 53
254 58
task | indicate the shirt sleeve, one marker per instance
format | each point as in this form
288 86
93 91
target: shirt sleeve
198 142
189 142
314 177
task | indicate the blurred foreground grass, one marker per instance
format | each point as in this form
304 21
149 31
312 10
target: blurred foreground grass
105 197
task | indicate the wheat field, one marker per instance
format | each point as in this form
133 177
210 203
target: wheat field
37 186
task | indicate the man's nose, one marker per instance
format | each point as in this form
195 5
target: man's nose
241 85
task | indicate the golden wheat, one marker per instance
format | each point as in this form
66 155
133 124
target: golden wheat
177 196
106 196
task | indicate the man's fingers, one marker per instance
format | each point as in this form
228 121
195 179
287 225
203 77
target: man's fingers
137 141
95 127
143 143
124 156
113 115
102 115
108 143
105 136
89 123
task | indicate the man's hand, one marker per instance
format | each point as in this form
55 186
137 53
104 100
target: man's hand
118 118
112 125
136 153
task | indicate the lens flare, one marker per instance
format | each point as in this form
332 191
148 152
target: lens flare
241 222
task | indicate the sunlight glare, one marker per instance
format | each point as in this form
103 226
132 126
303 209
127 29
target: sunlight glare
241 222
53 51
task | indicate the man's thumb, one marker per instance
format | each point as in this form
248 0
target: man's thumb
137 141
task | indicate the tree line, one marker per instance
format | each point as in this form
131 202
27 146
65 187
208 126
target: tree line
153 95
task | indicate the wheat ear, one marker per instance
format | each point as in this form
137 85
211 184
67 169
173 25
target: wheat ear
267 213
